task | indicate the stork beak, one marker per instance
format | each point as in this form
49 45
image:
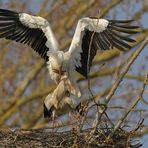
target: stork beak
47 113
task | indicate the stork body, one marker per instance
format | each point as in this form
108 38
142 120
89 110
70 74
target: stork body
60 65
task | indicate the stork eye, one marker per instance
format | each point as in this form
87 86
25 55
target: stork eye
67 93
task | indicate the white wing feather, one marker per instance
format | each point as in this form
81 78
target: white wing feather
41 23
97 25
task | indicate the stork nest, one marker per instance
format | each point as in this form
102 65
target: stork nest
42 138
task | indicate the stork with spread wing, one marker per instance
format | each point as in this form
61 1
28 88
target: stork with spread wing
91 34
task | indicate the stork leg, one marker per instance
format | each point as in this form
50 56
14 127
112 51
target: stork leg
70 119
53 117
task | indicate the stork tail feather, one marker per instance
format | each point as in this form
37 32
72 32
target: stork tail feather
47 113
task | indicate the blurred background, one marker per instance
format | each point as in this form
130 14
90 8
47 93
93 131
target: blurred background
24 80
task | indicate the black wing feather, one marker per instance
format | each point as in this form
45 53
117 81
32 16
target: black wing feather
123 30
11 28
125 38
126 26
114 44
111 37
118 40
120 21
85 47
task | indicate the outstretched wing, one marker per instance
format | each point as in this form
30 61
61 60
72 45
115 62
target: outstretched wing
34 31
94 34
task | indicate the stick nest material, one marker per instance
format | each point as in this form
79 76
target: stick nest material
43 138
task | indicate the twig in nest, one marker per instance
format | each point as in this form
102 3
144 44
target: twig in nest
140 124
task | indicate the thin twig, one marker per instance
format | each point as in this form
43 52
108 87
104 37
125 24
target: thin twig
131 60
88 79
125 70
96 121
134 104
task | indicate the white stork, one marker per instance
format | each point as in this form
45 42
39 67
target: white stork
91 34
